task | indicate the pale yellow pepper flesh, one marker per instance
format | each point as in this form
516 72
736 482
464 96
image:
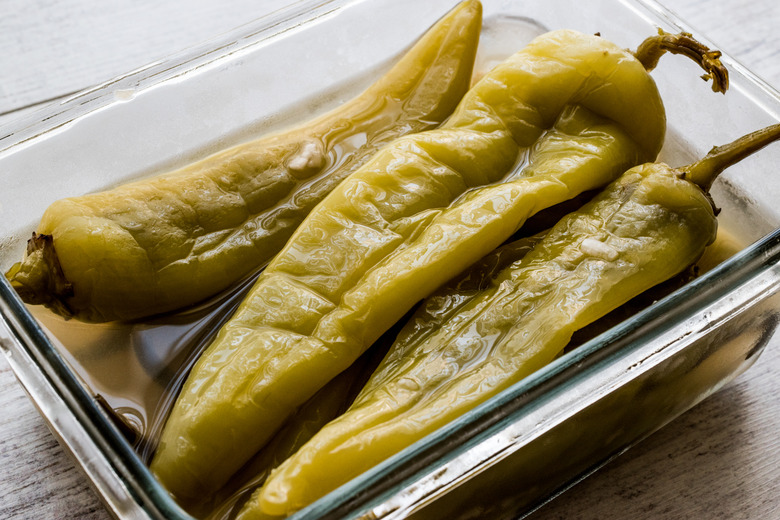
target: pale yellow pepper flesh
642 230
499 323
397 229
167 242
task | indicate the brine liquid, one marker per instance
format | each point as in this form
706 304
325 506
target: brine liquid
138 368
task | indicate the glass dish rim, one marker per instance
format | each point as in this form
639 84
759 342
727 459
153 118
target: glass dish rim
266 28
144 489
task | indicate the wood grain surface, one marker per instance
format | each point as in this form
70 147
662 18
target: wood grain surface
720 460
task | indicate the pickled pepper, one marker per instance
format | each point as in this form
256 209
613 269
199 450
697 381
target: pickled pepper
324 406
174 240
566 114
646 227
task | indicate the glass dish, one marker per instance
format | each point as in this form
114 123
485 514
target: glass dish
507 456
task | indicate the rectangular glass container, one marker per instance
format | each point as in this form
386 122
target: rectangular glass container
515 451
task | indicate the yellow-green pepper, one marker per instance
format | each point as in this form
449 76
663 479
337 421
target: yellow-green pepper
327 404
174 240
646 227
419 212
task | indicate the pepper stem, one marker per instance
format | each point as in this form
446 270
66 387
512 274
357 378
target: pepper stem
39 279
704 171
650 51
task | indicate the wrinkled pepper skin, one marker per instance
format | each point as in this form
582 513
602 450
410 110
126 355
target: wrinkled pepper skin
642 230
466 344
328 403
171 241
324 406
432 314
436 309
419 212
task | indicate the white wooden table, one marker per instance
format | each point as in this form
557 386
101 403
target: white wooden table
720 460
